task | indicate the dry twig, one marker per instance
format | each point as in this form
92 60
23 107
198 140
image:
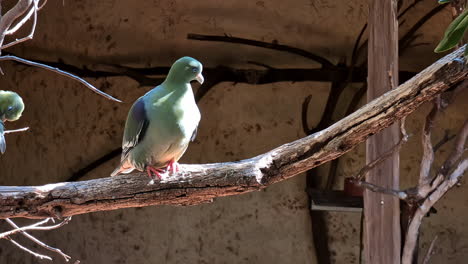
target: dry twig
36 226
59 71
16 130
37 255
37 241
429 251
32 11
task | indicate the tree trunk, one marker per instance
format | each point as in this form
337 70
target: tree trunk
382 240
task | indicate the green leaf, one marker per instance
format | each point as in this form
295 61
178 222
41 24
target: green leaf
454 33
441 2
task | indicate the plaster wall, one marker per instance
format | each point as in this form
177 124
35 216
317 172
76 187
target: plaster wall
71 127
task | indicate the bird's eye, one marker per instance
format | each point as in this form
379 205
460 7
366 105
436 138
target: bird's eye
10 108
194 70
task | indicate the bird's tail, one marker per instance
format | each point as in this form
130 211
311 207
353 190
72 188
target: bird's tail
2 138
124 167
116 171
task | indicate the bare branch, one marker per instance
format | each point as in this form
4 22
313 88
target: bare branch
21 22
457 152
429 251
36 226
40 243
16 11
371 165
37 255
428 151
447 137
15 130
440 186
57 70
43 4
375 188
14 231
423 209
201 183
31 34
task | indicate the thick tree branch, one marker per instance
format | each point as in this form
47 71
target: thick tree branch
201 183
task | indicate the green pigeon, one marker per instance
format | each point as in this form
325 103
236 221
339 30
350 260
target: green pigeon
11 108
161 123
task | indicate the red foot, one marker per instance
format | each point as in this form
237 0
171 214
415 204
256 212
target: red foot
150 170
173 166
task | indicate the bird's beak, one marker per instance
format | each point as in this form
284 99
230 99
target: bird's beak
200 78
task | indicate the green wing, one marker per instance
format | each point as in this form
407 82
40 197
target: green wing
2 138
135 127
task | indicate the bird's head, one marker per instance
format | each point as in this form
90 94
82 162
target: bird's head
11 106
186 69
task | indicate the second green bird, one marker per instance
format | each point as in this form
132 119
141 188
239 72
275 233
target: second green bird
162 122
11 108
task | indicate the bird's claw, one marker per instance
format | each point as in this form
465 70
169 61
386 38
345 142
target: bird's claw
153 171
173 167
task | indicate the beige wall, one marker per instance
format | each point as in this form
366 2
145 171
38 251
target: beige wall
71 126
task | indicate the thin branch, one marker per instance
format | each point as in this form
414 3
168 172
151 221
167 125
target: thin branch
457 151
428 151
40 243
413 229
57 70
16 130
36 226
357 179
37 255
274 46
429 251
30 35
371 165
18 25
7 20
447 138
43 4
442 184
379 189
14 231
197 184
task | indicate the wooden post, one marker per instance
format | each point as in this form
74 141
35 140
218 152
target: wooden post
382 238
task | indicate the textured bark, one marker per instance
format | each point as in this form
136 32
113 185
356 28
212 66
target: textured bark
201 183
382 239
